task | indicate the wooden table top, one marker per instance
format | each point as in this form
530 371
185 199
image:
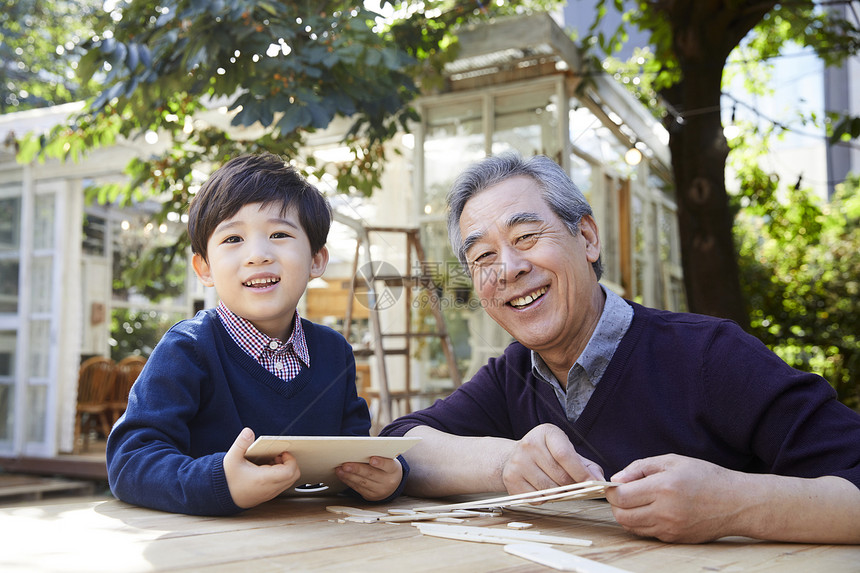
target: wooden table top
99 534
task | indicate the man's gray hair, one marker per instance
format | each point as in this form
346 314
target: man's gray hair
561 194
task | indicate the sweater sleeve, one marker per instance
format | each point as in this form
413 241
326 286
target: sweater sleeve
499 401
148 452
790 421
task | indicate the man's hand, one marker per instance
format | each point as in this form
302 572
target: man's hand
686 500
250 484
444 464
373 481
545 458
679 499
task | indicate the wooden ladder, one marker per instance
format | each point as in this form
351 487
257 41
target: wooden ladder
378 278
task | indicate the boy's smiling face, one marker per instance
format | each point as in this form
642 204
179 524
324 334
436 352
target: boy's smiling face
260 262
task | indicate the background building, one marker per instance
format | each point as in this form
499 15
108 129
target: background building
516 85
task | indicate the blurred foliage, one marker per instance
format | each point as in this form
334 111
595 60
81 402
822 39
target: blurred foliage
799 256
137 332
681 76
281 70
772 25
800 270
37 52
147 262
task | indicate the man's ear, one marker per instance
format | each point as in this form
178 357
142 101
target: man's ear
202 270
589 231
318 263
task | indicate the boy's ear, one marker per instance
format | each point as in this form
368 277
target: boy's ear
319 262
201 268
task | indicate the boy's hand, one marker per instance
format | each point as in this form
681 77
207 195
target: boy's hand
373 481
250 484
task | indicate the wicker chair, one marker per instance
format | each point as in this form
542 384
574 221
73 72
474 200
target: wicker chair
127 371
95 381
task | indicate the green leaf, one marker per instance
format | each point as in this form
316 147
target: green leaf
320 115
133 57
268 8
295 116
249 115
852 207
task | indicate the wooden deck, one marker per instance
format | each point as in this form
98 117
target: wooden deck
29 478
23 487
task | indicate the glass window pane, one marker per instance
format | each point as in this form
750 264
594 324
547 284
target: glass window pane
455 301
9 286
7 393
528 123
7 355
10 223
641 247
668 221
95 235
43 221
7 382
454 139
40 282
588 134
10 231
37 408
581 172
40 351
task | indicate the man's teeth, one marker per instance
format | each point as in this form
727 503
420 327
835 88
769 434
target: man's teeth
528 299
261 282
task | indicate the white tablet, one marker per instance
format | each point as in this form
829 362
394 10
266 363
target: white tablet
318 456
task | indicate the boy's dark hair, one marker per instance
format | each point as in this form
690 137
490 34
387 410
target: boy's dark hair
264 178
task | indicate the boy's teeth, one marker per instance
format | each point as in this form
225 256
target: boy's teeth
529 298
255 282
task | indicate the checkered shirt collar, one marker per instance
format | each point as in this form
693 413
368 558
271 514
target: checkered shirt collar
257 344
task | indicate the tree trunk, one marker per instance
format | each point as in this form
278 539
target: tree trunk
699 152
703 33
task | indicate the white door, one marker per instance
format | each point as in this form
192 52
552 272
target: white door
10 259
41 310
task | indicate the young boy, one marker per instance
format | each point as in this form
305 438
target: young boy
250 367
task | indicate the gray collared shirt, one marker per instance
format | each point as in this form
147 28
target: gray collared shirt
591 364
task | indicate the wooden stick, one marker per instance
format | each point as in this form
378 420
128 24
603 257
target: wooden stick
528 497
559 560
404 518
353 511
585 493
492 535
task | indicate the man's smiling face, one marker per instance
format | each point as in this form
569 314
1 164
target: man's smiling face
533 276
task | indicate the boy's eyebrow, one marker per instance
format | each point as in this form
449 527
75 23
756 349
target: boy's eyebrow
276 220
287 222
512 221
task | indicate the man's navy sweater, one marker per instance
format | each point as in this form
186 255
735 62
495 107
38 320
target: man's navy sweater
678 383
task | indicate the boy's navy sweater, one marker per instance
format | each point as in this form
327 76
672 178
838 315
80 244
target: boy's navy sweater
198 390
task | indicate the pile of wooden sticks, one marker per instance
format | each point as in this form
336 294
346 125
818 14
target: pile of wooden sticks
582 490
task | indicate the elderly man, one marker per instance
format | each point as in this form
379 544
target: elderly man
707 431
